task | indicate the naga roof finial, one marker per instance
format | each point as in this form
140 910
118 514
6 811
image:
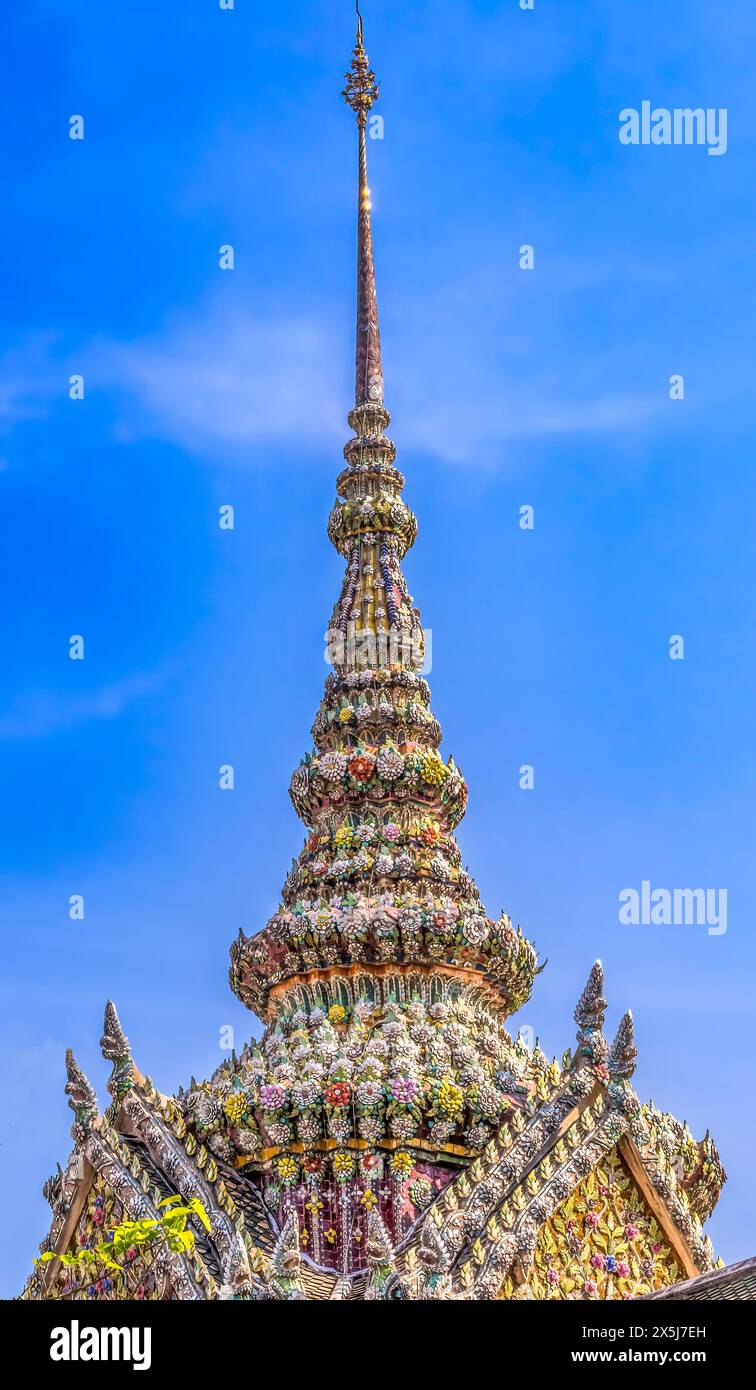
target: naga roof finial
114 1043
589 1017
591 1006
81 1097
115 1046
623 1052
284 1275
381 1260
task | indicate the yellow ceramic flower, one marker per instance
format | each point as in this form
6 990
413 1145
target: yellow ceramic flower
286 1166
343 1164
345 714
343 836
368 1200
432 770
337 1013
402 1164
235 1106
449 1097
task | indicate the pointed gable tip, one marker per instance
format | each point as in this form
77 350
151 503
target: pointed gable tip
114 1044
81 1095
623 1052
591 1006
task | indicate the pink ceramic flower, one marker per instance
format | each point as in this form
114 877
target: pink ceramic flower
272 1097
403 1089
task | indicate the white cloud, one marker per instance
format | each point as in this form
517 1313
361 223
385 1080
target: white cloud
461 435
230 380
227 378
465 373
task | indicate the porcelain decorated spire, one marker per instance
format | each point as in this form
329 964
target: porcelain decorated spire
379 889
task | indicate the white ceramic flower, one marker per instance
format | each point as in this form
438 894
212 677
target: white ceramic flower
332 766
389 763
370 1092
475 929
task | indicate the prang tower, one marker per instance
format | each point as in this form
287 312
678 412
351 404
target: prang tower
387 1138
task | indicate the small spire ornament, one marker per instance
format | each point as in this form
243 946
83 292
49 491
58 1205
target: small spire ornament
360 92
361 87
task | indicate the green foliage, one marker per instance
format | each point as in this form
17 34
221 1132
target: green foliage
130 1237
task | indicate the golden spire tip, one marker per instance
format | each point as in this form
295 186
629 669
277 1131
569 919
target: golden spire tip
361 87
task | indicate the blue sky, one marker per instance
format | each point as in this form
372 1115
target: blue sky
506 387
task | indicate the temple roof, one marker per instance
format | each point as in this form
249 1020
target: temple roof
732 1282
481 1232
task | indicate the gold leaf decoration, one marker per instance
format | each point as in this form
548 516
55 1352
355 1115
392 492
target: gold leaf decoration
601 1243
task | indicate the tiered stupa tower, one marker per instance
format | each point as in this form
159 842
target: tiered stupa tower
387 1137
378 892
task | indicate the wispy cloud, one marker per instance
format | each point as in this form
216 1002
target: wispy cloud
218 377
36 715
460 385
28 379
447 430
464 377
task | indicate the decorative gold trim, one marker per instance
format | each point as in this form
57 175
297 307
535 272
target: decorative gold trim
328 1145
639 1174
322 975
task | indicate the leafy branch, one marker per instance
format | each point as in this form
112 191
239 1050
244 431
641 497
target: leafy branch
170 1230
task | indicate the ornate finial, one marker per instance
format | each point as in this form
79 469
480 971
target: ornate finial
591 1006
53 1188
589 1017
623 1052
360 92
115 1046
361 87
81 1097
381 1260
284 1276
114 1043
